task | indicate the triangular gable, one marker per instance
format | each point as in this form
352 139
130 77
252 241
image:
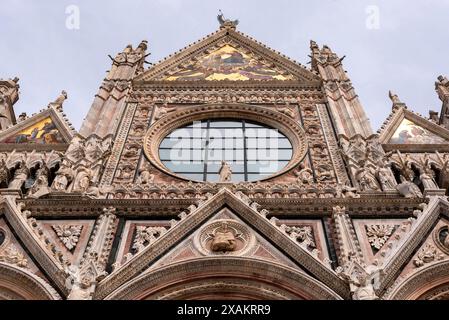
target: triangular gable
247 211
409 132
249 243
45 254
48 127
227 55
404 247
405 129
228 63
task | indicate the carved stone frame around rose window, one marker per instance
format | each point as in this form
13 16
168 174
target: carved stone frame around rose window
184 116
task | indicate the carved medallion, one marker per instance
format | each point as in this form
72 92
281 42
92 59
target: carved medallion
224 237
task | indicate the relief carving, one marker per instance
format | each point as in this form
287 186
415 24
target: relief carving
12 255
68 234
378 234
145 236
426 255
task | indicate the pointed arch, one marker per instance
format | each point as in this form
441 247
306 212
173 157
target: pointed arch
224 278
424 283
17 283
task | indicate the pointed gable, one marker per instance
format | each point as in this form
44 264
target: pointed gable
47 128
40 132
409 132
229 63
405 129
243 209
227 55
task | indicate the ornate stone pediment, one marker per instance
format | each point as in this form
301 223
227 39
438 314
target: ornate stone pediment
227 55
197 216
409 132
48 129
228 63
405 130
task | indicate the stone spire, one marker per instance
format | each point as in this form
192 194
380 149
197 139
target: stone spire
345 107
9 95
110 101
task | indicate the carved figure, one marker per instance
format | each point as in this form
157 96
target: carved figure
225 172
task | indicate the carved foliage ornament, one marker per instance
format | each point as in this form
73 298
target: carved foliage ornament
378 234
426 255
302 234
146 236
11 255
68 234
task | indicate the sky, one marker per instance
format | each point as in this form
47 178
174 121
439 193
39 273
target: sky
393 45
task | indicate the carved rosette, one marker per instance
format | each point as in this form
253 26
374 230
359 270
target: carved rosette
225 237
378 234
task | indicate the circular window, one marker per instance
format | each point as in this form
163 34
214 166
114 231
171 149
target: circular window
225 150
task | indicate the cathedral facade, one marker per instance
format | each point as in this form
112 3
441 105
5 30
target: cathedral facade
225 171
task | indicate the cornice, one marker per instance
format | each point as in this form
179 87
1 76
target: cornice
78 206
226 84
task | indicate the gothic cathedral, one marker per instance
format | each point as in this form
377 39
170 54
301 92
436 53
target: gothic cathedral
225 171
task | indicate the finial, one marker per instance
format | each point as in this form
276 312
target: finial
143 46
128 48
226 23
443 81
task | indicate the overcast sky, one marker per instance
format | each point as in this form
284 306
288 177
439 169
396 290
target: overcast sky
404 48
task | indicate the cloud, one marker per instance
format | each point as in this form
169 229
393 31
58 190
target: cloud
406 53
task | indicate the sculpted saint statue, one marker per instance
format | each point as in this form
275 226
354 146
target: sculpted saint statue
145 177
394 98
427 181
225 172
408 189
20 176
386 179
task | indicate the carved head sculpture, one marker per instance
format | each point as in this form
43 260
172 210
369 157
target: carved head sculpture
223 240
